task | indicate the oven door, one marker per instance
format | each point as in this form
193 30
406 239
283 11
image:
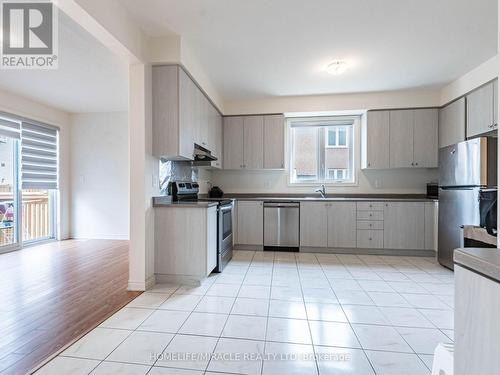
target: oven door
225 236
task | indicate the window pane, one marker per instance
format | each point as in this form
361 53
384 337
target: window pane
332 138
342 137
36 214
305 154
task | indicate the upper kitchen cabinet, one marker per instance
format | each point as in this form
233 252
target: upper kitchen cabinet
401 139
404 138
482 110
274 142
452 123
254 142
375 140
182 116
425 138
233 142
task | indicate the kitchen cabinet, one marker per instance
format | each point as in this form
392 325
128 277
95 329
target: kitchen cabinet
430 225
215 136
233 142
452 123
180 256
370 225
328 224
482 110
182 115
313 224
256 142
413 138
341 224
250 223
253 142
370 239
375 140
401 139
404 225
274 142
477 308
425 138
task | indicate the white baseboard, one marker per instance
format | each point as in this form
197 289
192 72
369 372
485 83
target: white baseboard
141 286
102 237
179 279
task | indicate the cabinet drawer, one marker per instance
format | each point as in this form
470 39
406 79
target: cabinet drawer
370 206
370 224
370 215
373 239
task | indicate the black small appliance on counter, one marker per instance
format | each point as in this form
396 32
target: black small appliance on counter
215 192
488 210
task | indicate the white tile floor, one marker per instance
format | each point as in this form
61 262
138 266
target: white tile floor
279 313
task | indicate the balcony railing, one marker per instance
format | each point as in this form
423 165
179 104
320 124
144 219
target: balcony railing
35 221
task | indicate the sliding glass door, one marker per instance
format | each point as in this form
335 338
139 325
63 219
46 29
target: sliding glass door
8 192
28 182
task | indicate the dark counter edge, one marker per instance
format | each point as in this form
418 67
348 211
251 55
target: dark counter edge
484 261
164 201
270 196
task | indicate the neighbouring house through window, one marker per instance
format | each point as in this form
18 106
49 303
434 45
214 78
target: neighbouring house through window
322 150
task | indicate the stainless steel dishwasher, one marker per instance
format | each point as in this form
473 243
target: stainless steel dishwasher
281 226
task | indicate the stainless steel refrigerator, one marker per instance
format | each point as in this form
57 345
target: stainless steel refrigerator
464 169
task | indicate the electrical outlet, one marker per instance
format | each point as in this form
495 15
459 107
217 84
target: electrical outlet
378 183
81 178
267 184
154 181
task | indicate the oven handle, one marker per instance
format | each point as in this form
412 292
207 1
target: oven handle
226 208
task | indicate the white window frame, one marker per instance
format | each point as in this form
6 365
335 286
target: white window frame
337 133
356 149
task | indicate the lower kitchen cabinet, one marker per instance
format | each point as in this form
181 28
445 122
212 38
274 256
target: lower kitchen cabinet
313 224
328 224
477 308
404 225
341 221
370 239
180 256
250 223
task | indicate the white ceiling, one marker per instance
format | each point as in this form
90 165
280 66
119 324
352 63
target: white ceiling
90 78
258 48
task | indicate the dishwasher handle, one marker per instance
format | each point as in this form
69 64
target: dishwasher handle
281 204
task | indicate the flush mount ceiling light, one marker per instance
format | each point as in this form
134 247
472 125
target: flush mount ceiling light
337 67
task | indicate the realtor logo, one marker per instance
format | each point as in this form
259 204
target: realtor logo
29 35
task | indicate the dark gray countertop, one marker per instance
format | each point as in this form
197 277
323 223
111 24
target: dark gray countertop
330 197
485 261
165 201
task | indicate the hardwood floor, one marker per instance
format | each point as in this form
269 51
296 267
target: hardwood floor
53 293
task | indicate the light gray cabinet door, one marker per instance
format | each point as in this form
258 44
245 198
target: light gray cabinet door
377 140
250 223
404 225
274 142
495 103
425 138
477 329
253 138
401 139
430 225
233 142
341 224
452 123
165 111
218 124
480 110
313 224
188 114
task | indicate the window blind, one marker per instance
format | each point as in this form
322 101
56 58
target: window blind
9 128
39 156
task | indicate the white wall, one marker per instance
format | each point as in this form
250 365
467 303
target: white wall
99 175
28 108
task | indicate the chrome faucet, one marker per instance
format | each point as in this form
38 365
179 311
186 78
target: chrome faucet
322 191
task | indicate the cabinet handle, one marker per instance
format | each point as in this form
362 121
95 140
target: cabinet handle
369 164
370 225
369 239
412 164
282 165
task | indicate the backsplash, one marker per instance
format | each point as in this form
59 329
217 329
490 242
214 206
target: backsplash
182 171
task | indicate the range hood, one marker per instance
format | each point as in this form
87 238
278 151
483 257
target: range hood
202 156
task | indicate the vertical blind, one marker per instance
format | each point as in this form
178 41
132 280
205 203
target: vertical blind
39 156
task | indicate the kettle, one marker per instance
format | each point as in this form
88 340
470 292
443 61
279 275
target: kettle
215 192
